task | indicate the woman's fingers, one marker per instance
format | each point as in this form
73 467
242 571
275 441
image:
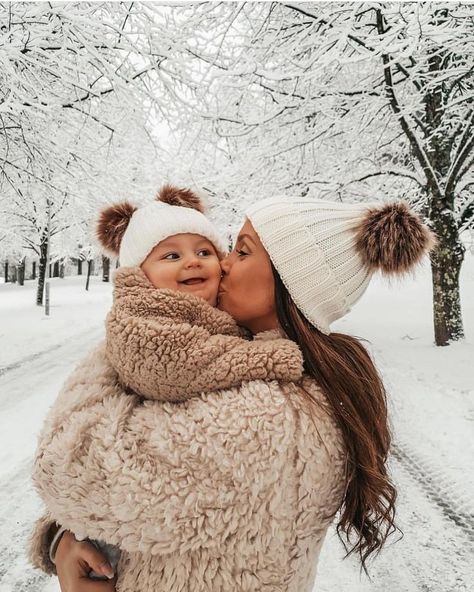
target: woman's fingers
85 584
75 560
96 560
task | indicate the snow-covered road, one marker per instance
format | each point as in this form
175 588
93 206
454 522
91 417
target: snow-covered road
431 392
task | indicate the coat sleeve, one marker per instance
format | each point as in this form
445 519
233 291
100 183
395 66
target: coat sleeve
163 359
159 477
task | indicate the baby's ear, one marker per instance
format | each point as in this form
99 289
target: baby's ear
112 224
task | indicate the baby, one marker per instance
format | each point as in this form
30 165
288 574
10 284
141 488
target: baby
170 238
164 337
171 343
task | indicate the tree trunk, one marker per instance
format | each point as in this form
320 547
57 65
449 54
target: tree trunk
42 270
105 269
89 271
6 271
56 269
446 261
61 270
21 271
33 271
79 267
14 274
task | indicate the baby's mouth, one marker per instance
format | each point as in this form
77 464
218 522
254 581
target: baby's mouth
193 281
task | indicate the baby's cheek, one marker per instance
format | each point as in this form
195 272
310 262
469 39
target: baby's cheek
216 272
214 288
213 294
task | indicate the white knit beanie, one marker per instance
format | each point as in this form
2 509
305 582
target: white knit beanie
132 233
157 221
326 252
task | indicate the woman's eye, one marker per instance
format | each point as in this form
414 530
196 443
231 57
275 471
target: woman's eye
171 256
241 253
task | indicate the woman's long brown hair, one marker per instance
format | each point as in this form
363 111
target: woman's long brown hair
344 371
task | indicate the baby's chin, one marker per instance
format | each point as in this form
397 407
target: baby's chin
205 294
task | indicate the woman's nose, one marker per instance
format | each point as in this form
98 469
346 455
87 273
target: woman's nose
225 265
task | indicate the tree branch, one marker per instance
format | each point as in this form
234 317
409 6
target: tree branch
467 216
410 134
463 152
359 42
390 172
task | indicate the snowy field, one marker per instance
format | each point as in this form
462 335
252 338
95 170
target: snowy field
431 396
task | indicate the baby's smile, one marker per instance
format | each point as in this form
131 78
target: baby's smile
194 281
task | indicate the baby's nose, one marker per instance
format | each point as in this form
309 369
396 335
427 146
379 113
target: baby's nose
193 261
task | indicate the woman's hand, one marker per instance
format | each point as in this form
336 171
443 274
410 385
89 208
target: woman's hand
75 560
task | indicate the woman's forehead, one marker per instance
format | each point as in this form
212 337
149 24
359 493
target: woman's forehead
248 231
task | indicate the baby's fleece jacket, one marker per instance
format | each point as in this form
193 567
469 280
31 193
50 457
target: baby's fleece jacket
169 346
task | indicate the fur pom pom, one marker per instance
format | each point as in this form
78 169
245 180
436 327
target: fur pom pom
112 224
392 239
185 198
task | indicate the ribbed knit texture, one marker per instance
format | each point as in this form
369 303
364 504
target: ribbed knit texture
312 245
157 221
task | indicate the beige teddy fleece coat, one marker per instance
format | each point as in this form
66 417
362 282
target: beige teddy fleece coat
229 490
168 345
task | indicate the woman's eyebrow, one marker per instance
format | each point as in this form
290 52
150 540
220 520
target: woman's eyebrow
242 236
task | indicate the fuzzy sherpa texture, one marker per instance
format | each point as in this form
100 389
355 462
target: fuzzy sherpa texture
229 491
112 224
392 239
169 345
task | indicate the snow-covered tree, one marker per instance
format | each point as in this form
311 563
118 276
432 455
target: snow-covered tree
345 101
78 82
340 100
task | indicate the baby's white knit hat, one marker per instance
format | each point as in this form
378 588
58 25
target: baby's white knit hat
132 233
326 252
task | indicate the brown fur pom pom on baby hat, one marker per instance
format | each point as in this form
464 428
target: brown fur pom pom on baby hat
185 198
131 233
112 224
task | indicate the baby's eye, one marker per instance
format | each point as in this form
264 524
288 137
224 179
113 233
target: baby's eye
204 252
171 256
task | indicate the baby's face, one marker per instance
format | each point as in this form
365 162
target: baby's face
186 263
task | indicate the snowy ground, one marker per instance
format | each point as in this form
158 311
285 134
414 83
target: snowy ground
431 390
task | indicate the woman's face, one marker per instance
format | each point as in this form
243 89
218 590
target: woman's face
247 290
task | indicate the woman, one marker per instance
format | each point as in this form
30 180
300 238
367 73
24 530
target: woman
236 492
